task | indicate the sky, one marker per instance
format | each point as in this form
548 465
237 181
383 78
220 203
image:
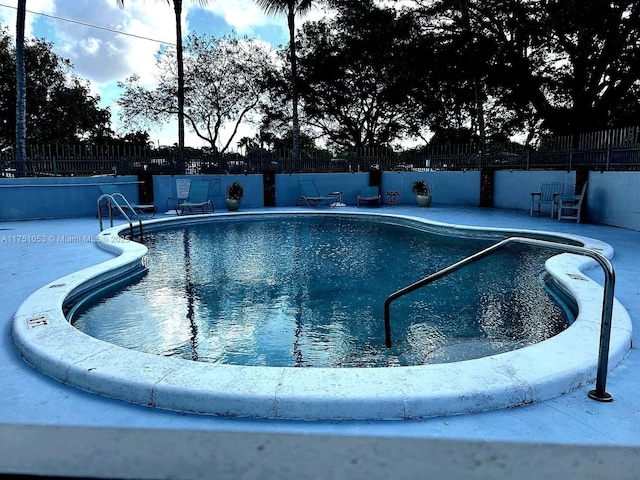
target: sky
107 44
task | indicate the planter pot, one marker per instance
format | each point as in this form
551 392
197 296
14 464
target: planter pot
424 200
233 205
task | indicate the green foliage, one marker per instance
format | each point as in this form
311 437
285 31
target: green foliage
275 7
444 71
371 75
421 187
352 86
226 84
455 136
235 191
557 66
291 8
59 105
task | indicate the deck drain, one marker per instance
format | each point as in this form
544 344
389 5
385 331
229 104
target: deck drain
58 285
576 277
40 321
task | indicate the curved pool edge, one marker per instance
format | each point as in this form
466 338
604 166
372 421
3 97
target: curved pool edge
562 363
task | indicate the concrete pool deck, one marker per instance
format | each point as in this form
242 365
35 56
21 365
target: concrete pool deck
37 406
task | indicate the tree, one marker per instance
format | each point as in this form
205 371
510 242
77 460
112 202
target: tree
225 78
564 66
291 8
453 97
59 107
248 143
372 76
598 41
21 92
354 85
177 10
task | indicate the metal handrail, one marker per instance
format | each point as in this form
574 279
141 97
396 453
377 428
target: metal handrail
110 197
607 304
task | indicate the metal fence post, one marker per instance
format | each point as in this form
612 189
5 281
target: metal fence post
570 157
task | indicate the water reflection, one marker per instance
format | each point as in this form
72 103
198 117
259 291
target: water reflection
310 292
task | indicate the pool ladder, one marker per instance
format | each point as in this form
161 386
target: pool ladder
599 393
111 203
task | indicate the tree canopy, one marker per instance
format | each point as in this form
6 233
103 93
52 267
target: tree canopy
225 85
291 8
352 83
59 108
556 66
180 94
371 74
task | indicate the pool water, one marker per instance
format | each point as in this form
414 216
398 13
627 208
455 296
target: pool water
309 291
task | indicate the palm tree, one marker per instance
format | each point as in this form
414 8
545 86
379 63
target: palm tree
21 91
291 8
177 8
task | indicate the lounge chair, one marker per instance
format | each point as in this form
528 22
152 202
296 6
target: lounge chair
311 195
198 199
369 195
546 196
116 196
570 206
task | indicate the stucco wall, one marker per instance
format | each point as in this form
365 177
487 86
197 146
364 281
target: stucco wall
165 190
449 188
613 198
42 197
350 184
512 190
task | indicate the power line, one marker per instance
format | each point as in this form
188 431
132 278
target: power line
92 26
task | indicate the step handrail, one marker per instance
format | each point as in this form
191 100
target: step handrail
111 202
607 303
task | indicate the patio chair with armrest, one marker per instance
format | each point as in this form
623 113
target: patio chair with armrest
118 198
546 196
310 194
198 199
570 206
368 194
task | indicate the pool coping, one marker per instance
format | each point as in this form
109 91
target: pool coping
45 339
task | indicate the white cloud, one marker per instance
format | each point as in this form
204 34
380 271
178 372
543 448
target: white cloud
90 46
107 56
8 14
243 15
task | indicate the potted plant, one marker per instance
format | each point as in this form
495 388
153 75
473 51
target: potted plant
422 191
235 192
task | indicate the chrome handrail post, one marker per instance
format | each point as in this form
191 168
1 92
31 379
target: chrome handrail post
111 201
599 393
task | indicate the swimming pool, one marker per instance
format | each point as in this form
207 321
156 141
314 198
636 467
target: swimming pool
309 292
47 341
